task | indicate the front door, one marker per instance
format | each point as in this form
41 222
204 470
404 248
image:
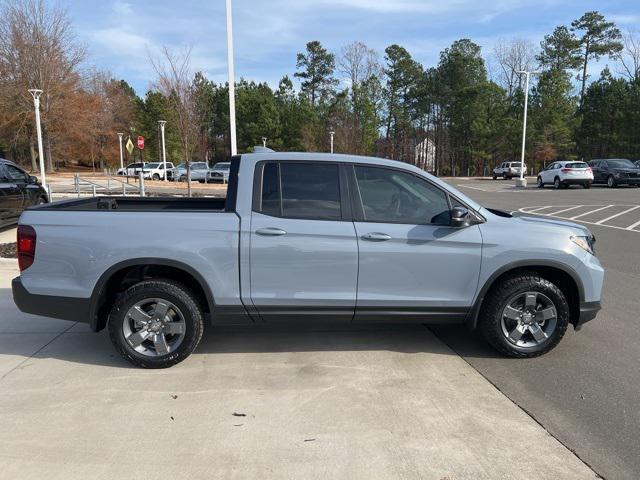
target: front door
412 262
304 253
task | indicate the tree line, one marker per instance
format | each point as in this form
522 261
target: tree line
462 115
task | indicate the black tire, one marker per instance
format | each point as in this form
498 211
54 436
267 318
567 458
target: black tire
611 182
505 177
495 302
586 185
540 183
175 293
155 177
200 181
495 177
42 201
556 183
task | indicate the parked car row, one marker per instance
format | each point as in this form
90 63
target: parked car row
200 171
611 172
18 190
508 170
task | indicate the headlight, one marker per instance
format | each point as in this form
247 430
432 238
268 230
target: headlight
585 243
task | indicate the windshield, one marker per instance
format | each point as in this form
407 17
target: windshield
181 165
621 164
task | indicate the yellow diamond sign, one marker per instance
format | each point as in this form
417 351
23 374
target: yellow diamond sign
129 146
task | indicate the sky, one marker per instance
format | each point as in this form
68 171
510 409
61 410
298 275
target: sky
121 35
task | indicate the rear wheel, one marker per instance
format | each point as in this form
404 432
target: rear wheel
540 183
156 324
524 316
586 185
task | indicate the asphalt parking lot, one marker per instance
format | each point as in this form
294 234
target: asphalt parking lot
585 392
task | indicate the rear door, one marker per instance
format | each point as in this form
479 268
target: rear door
412 262
304 253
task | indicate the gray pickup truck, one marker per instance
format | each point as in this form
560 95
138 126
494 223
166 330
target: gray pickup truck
304 236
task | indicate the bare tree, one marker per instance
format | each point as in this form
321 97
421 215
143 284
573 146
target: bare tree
175 83
513 55
629 56
38 49
359 62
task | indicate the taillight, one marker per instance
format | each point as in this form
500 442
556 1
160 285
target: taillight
566 170
26 246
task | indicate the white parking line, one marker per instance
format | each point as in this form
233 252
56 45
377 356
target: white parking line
592 211
617 215
565 210
537 209
632 227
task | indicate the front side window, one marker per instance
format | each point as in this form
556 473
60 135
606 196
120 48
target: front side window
391 196
301 190
16 175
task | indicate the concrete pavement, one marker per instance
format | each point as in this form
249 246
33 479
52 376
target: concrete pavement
375 402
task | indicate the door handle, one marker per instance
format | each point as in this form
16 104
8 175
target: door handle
270 232
377 236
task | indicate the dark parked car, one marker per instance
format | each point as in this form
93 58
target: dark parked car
18 190
615 171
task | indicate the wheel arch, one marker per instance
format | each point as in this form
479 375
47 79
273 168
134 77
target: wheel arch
561 275
124 274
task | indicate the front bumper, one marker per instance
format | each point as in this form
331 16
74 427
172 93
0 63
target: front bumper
65 308
588 311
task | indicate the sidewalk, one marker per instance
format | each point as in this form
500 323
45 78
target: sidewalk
8 235
322 403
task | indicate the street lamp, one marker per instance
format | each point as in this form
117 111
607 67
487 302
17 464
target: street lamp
522 182
332 133
264 141
120 135
164 152
231 75
35 93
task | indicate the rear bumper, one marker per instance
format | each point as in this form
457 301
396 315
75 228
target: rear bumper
588 311
576 181
65 308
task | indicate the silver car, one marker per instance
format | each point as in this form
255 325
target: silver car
199 172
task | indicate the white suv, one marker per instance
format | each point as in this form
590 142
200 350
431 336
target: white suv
155 171
563 174
508 170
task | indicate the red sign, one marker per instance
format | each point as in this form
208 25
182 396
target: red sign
140 142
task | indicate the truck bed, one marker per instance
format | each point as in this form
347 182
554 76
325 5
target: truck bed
138 204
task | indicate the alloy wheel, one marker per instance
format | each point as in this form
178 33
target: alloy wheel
529 319
154 327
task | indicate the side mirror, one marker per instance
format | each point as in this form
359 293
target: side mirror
460 217
33 180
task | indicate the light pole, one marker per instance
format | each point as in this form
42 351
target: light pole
332 133
35 93
522 182
231 75
164 152
120 135
264 141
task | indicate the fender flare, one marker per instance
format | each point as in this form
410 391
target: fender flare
472 317
98 289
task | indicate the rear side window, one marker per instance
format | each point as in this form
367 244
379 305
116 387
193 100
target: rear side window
301 190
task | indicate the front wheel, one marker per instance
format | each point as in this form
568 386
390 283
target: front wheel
155 177
586 185
611 182
556 183
524 316
540 183
156 323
